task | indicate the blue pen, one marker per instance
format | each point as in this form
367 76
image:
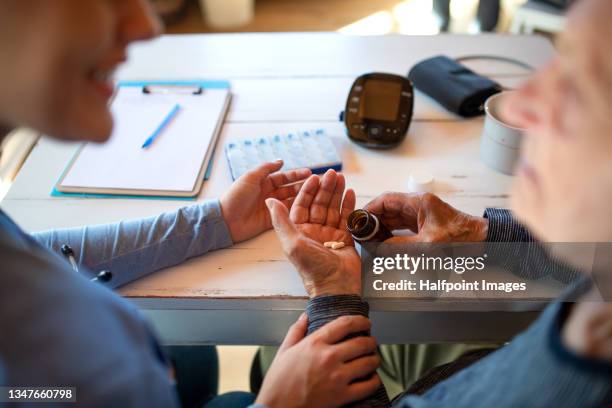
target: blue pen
161 126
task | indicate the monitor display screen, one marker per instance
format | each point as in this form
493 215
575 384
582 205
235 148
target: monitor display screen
380 100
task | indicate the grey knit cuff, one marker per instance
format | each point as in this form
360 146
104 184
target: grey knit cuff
324 309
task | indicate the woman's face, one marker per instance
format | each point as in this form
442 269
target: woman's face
563 189
57 59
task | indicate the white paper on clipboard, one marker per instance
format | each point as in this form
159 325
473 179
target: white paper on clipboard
172 163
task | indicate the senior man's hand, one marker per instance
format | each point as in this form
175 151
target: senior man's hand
588 330
243 206
430 218
319 214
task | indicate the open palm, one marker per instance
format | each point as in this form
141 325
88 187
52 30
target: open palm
319 214
243 206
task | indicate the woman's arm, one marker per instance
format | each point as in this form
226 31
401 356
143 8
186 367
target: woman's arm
132 249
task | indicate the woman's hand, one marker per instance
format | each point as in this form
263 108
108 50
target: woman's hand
430 218
321 370
243 206
319 214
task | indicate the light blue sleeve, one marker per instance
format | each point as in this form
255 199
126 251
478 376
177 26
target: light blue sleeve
133 249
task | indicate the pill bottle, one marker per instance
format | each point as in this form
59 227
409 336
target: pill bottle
365 227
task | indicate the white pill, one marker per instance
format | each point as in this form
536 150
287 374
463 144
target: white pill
337 245
420 182
329 244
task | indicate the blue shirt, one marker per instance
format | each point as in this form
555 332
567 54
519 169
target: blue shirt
60 329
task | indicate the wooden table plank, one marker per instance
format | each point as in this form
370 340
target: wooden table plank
326 55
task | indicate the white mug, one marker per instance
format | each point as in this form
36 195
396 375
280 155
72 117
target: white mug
500 143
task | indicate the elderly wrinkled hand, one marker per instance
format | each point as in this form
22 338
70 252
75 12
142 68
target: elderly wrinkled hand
430 218
588 330
319 215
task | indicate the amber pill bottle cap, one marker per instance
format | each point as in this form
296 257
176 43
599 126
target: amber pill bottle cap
362 225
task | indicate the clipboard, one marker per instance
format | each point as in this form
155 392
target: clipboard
175 166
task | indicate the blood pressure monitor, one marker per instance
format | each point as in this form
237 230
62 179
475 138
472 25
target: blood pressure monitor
378 110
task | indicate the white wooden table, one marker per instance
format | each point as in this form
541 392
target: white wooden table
250 293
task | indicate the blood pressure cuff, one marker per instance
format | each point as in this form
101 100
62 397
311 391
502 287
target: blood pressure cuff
454 86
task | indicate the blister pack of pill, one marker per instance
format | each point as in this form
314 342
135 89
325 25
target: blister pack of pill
309 148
